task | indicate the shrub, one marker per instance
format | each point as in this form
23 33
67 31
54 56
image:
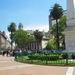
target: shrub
54 57
33 56
43 57
64 55
73 55
24 53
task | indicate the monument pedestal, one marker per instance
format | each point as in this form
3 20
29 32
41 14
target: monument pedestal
69 39
70 30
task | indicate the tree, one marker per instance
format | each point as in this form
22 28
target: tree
40 39
56 12
21 38
38 36
31 38
61 26
11 28
51 45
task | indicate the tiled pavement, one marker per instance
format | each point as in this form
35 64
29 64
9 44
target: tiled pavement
9 67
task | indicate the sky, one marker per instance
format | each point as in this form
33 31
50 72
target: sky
33 14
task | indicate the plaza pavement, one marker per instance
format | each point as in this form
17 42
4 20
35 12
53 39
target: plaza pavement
10 67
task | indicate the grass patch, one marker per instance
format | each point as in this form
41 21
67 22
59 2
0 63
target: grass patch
59 62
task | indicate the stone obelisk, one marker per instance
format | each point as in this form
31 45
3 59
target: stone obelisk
70 30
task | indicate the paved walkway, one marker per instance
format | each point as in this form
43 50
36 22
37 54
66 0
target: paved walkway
9 67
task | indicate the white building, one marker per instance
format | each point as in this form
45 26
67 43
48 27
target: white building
33 45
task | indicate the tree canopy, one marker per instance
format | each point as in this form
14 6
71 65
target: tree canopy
56 12
38 36
11 28
51 45
61 25
21 38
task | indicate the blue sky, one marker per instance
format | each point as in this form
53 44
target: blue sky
33 14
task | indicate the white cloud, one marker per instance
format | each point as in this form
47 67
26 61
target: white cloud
44 27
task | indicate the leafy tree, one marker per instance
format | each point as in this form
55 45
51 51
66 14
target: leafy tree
31 38
56 12
21 38
38 36
11 28
51 45
40 39
61 25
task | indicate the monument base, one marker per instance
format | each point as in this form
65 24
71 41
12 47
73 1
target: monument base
69 40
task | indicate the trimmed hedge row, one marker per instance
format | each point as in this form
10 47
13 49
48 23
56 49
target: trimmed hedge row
73 55
43 57
49 56
21 54
65 55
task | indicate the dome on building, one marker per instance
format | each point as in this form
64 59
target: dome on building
20 27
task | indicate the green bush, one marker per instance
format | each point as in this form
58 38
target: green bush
54 57
33 56
73 55
18 54
24 53
64 55
43 57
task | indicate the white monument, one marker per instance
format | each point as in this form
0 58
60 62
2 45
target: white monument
70 30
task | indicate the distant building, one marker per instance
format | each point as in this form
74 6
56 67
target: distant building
4 43
20 27
33 45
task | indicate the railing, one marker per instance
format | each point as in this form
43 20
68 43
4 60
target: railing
46 58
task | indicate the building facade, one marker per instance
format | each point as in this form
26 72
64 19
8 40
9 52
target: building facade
4 43
33 45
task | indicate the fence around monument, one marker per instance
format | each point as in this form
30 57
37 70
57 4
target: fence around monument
46 58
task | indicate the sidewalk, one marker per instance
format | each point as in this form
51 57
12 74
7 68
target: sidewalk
9 63
9 67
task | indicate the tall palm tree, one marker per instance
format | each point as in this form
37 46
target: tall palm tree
56 12
40 39
11 28
38 36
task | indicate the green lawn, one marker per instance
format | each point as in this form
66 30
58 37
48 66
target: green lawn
61 62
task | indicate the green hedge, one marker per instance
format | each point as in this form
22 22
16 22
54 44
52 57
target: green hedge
64 55
43 57
73 55
21 54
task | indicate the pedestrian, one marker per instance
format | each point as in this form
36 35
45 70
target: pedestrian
7 53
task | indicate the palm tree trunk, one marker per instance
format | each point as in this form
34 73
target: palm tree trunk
37 45
57 34
40 45
11 41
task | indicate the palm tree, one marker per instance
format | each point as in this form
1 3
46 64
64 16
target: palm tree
11 28
56 12
38 36
40 39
